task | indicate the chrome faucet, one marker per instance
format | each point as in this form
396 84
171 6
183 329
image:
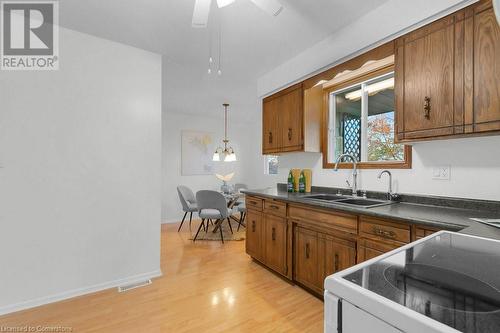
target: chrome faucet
354 171
389 193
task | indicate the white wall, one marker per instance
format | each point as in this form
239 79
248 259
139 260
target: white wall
80 177
474 162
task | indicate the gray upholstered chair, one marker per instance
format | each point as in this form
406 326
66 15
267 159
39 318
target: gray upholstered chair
188 202
212 205
242 208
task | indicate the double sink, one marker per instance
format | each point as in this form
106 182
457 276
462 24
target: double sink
348 200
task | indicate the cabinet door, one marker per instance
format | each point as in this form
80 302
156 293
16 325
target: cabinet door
306 259
482 66
275 243
270 124
291 120
338 254
425 64
368 249
254 232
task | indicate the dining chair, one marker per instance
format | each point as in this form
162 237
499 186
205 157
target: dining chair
212 205
188 202
243 214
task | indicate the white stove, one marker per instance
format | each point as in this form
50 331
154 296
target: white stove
447 282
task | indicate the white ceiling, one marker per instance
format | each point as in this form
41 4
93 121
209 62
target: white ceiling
253 42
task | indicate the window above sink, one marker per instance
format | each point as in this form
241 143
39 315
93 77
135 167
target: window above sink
360 118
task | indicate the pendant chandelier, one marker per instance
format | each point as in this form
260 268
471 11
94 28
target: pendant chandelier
227 153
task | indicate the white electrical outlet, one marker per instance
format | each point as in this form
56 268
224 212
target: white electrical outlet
441 172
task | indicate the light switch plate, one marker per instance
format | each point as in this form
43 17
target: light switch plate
441 172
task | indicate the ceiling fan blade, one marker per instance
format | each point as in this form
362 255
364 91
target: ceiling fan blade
272 7
200 13
224 3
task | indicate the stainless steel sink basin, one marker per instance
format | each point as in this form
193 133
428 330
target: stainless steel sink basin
365 203
349 201
326 197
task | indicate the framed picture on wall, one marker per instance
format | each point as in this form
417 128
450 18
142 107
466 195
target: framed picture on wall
197 151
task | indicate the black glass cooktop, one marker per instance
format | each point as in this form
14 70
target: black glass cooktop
452 278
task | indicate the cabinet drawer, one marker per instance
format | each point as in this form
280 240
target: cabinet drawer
371 227
254 203
421 232
275 207
324 219
368 249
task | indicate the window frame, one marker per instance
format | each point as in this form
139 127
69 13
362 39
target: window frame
407 161
266 165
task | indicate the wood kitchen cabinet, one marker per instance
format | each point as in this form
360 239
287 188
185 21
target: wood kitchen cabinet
254 235
306 259
482 69
428 74
291 121
275 243
368 249
267 233
446 77
318 255
271 134
306 244
338 253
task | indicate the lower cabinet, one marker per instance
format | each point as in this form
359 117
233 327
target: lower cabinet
368 249
275 243
254 235
306 259
318 255
339 254
266 240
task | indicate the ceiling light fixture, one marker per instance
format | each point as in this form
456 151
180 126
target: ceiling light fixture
224 3
202 9
225 154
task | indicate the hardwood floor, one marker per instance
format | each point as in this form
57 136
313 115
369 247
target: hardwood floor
206 287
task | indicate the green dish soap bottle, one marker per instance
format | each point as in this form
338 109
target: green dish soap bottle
302 183
290 182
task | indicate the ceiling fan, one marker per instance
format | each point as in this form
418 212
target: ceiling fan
202 9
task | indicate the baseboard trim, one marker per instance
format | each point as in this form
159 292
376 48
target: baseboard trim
77 292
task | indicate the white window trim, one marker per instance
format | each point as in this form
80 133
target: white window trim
332 133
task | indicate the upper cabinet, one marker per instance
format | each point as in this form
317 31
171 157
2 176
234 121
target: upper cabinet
446 76
482 69
291 121
427 61
445 85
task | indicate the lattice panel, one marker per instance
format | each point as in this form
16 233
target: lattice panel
351 128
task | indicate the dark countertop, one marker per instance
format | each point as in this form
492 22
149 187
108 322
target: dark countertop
455 219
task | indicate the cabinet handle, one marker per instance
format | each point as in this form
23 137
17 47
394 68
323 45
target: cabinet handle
273 234
270 137
307 250
253 203
336 263
384 233
253 226
427 107
289 134
274 207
